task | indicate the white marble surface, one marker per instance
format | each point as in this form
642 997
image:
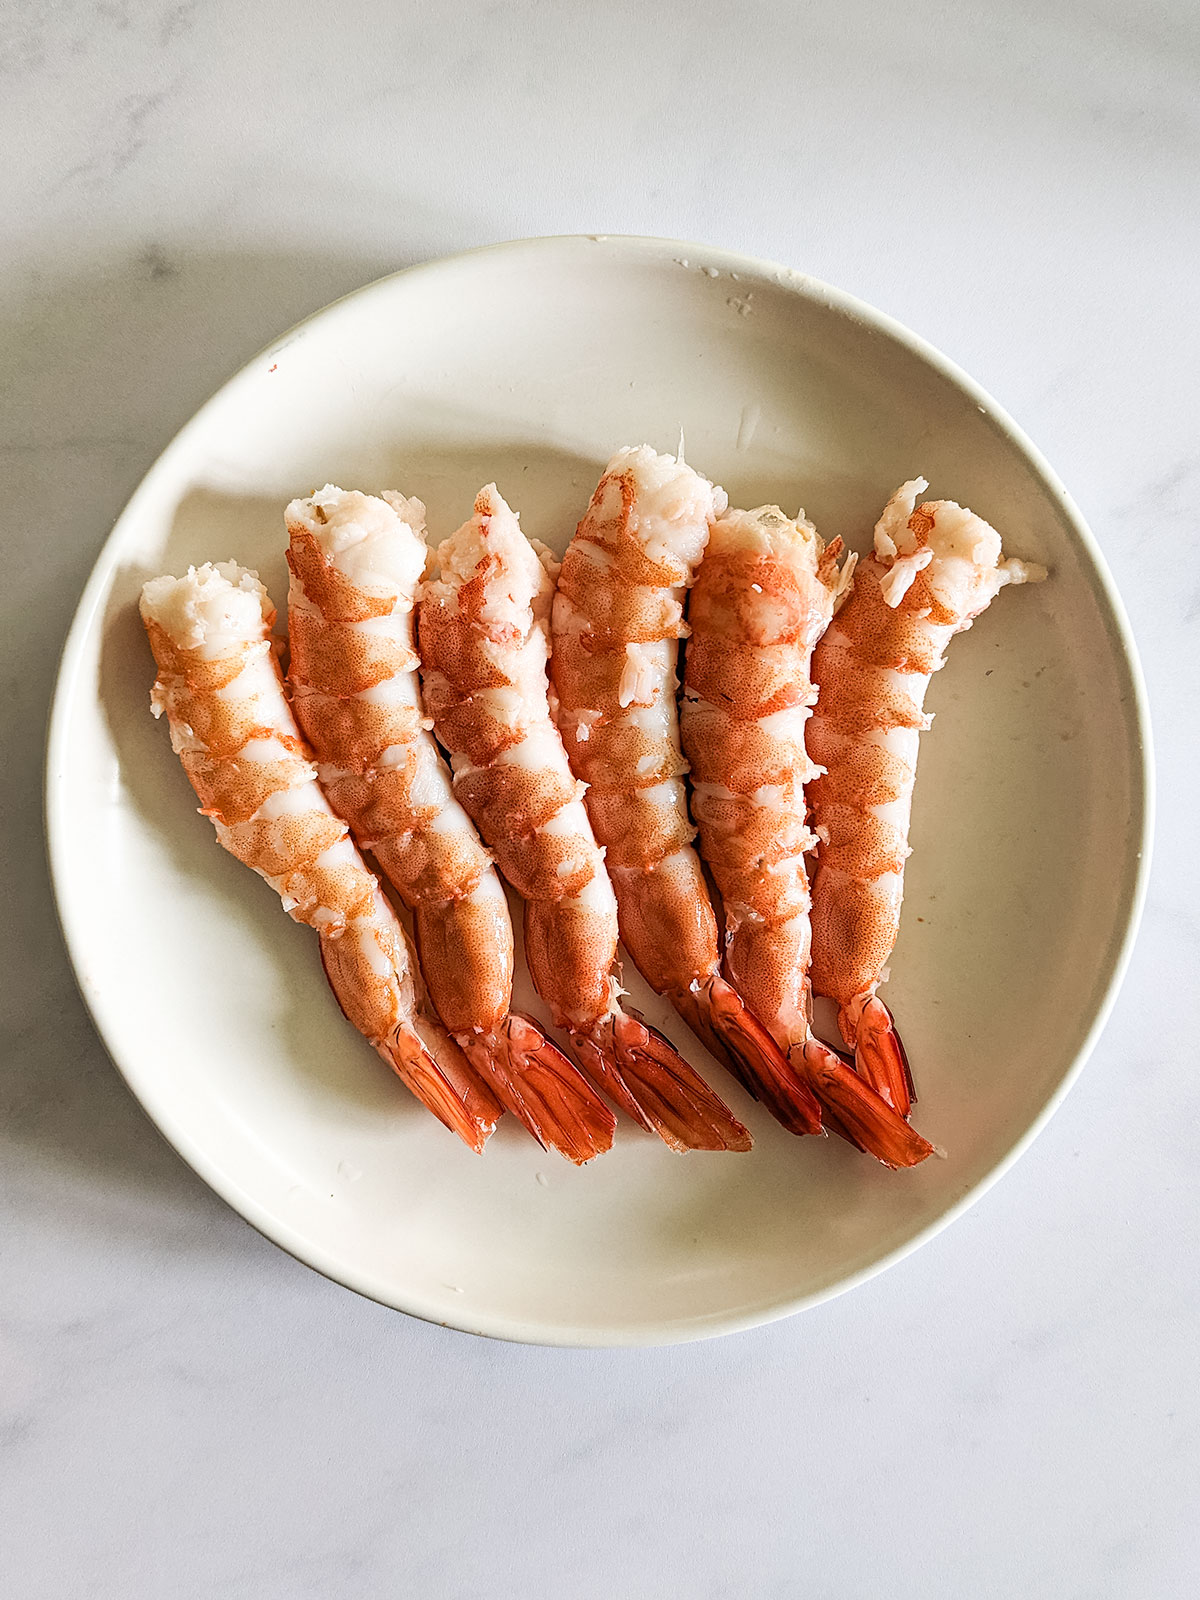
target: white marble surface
185 1411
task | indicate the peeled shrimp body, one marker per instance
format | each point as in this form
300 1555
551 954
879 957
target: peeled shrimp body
935 567
484 639
356 562
232 727
618 617
764 595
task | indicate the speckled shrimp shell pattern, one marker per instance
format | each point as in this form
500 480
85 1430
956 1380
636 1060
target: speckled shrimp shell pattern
934 568
484 638
220 688
764 595
618 619
356 561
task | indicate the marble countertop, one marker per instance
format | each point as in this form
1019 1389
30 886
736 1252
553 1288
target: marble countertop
185 1411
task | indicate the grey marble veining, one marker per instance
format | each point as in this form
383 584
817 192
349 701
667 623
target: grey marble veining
184 1411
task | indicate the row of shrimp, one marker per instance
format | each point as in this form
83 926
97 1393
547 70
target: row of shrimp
553 693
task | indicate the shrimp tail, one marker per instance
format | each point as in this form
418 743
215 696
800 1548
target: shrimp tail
643 1073
534 1080
880 1057
853 1109
467 1107
435 1072
714 1009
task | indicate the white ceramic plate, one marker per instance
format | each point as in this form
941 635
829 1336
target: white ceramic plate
529 363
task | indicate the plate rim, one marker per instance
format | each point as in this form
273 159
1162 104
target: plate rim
644 1333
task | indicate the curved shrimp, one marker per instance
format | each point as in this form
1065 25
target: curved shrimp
232 727
356 562
618 614
484 633
764 595
933 570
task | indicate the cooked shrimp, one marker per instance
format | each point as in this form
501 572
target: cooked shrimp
763 596
356 562
484 634
618 616
232 727
934 568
